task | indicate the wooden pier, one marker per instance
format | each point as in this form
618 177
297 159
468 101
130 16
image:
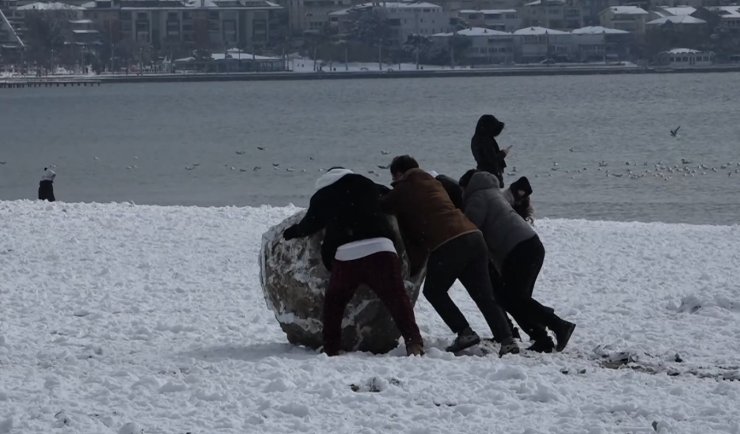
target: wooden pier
14 83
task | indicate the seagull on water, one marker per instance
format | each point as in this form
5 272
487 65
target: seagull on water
674 133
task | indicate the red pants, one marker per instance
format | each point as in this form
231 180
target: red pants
382 273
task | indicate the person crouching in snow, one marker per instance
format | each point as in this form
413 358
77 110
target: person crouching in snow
357 248
46 186
517 255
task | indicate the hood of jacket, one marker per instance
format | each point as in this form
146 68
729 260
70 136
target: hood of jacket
489 126
331 177
481 181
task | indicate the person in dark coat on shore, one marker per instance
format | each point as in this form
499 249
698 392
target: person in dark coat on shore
357 248
517 255
46 186
488 156
438 234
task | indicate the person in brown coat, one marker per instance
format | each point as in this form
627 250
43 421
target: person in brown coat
438 233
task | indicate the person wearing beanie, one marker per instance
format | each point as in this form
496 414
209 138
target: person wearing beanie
516 254
357 248
46 186
439 235
488 156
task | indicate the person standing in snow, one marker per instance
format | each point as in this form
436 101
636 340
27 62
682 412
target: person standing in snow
439 234
517 255
357 248
488 156
46 186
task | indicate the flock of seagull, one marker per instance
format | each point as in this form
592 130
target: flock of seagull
630 169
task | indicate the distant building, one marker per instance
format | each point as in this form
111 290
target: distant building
534 44
402 19
555 14
175 25
685 57
487 46
504 20
597 43
629 18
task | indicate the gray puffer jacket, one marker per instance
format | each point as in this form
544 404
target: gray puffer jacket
502 227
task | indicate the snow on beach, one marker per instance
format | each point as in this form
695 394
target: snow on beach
120 318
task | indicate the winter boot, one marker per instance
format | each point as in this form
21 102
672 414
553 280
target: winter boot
563 330
415 349
508 347
543 345
466 338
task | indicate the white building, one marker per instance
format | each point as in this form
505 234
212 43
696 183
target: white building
504 20
685 57
403 19
598 43
629 18
533 44
487 46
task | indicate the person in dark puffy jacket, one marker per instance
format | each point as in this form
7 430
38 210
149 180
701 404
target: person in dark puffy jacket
357 248
517 254
488 156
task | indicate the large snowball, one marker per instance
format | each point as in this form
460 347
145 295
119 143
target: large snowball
294 281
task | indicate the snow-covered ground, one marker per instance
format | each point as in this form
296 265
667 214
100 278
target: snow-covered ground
120 318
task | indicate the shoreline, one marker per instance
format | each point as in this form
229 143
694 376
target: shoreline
344 75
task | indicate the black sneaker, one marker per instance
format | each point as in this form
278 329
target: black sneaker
466 338
543 346
563 330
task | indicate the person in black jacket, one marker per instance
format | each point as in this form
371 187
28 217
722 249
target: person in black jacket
357 248
488 156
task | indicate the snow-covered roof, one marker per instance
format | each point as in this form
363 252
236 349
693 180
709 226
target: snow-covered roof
235 53
476 31
42 6
726 12
680 10
538 31
594 30
340 12
682 51
488 11
400 5
545 2
628 10
678 19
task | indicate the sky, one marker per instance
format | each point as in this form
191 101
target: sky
123 318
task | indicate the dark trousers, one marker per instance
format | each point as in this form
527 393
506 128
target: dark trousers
515 284
46 190
464 258
382 273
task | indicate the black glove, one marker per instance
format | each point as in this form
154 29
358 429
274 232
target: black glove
291 232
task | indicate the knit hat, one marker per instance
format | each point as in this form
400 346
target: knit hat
521 184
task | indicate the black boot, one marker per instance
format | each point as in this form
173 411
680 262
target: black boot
543 345
563 330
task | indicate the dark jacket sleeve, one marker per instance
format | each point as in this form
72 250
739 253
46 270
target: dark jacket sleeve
314 220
